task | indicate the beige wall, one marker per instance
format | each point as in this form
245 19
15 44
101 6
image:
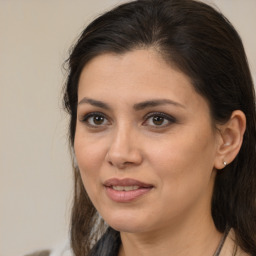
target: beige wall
35 172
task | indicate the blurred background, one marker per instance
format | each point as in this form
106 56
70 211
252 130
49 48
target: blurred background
35 167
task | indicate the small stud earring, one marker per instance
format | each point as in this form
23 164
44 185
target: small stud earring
225 163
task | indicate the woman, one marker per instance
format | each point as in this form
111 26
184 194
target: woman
163 130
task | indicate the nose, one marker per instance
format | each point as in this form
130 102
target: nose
124 150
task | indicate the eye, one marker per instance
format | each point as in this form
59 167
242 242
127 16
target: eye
158 120
95 120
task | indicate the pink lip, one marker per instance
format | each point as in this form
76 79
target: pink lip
126 196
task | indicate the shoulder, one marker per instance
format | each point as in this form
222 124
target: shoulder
230 248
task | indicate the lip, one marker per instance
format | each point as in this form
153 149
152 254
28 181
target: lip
121 196
126 182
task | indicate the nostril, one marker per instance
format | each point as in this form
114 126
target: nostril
120 165
110 163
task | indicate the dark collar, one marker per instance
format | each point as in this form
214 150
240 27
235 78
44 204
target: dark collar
108 245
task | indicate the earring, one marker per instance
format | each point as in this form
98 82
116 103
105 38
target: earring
225 163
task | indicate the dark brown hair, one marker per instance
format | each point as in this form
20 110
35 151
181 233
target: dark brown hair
200 42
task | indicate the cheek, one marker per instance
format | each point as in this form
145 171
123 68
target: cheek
185 160
184 170
89 155
88 160
89 150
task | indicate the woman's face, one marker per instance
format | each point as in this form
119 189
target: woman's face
144 143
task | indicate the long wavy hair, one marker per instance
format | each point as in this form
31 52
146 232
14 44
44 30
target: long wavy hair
201 43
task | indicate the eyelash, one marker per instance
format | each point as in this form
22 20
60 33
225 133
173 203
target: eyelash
86 118
166 118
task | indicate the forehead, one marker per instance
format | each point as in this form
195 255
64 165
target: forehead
137 75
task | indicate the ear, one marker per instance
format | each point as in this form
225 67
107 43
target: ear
231 138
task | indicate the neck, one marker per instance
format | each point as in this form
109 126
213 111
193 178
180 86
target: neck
196 237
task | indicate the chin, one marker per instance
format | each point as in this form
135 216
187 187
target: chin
126 228
129 224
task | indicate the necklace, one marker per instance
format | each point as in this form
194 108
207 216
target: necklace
222 241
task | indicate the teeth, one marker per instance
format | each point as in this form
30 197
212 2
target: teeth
125 188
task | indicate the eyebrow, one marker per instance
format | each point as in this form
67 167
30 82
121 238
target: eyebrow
137 106
155 103
95 103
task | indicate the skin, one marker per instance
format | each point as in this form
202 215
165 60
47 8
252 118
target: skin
177 154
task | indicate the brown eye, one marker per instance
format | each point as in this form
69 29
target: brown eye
95 120
98 120
158 120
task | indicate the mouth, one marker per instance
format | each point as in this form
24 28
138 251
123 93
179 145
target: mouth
126 190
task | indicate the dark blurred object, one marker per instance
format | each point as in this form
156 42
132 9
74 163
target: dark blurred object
39 253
